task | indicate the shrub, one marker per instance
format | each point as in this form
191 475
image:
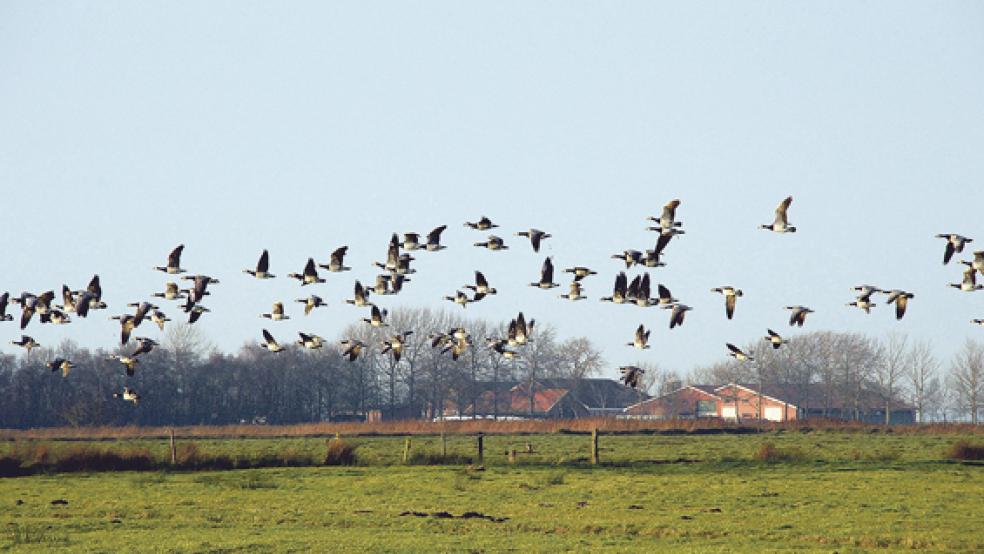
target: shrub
340 453
964 450
769 453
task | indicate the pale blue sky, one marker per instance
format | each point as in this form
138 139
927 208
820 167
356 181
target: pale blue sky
128 127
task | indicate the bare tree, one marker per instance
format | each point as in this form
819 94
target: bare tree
923 379
967 379
891 366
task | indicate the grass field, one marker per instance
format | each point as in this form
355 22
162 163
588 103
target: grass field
825 491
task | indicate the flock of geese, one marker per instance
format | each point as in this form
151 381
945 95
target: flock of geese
395 274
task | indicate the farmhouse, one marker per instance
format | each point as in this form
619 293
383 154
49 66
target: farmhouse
550 398
738 402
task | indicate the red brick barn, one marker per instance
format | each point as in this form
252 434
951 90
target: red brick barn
689 402
740 402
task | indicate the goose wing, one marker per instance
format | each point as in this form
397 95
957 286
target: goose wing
546 272
309 269
338 255
264 263
729 304
781 210
480 280
174 258
434 237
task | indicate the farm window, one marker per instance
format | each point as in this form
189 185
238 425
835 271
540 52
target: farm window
706 408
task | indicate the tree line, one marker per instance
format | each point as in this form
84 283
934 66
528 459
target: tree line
186 381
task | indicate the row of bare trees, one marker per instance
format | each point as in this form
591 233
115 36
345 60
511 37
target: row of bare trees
186 381
851 371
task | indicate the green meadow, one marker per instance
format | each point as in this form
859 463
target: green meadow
823 491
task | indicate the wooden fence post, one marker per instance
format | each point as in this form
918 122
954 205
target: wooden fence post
406 450
444 445
174 449
512 455
594 446
481 447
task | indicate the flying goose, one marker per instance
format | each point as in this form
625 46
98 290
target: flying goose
546 276
864 303
737 354
128 395
977 263
376 318
68 299
173 266
865 291
575 291
262 270
580 272
271 343
353 347
392 262
26 342
335 264
901 299
781 224
954 243
60 363
144 346
483 224
311 302
395 345
457 347
798 315
159 318
460 299
4 300
396 281
28 303
196 313
639 292
652 257
95 290
499 345
411 241
630 257
360 296
434 239
201 283
969 282
143 308
774 339
85 303
641 338
481 287
382 285
310 275
677 314
493 243
665 297
631 375
126 326
535 236
310 342
978 322
128 362
619 291
519 331
171 292
731 295
276 313
667 219
57 317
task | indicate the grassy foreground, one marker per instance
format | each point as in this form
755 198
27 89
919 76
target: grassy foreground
831 492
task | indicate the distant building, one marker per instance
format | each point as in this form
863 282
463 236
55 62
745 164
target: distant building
549 398
738 402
